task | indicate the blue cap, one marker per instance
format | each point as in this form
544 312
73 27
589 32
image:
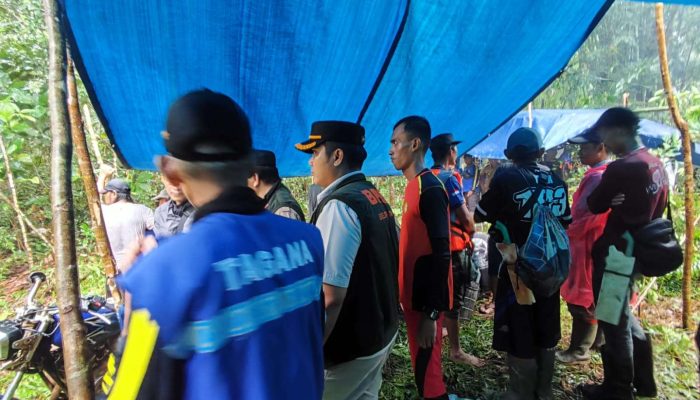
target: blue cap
589 135
524 141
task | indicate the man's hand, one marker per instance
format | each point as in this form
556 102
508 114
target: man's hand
469 193
136 249
106 170
106 173
426 332
617 200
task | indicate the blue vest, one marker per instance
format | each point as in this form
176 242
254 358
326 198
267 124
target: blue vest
238 299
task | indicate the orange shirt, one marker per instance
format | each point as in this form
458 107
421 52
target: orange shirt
422 283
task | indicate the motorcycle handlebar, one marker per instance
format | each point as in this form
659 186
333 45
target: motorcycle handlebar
36 278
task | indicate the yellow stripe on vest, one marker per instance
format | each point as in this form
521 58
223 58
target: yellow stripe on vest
140 344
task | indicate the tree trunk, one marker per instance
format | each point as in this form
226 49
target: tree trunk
687 164
75 351
15 204
88 177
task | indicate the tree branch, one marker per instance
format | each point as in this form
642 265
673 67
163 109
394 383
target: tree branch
29 223
15 203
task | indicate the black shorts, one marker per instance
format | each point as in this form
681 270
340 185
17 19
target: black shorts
460 282
522 330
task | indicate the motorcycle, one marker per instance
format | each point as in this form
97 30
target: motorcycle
31 342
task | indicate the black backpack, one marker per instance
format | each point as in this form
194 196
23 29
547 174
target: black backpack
656 248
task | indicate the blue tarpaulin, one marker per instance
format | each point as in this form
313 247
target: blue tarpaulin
466 65
558 126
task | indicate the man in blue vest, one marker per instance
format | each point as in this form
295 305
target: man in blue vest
360 282
231 309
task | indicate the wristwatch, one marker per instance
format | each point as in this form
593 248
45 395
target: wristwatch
433 314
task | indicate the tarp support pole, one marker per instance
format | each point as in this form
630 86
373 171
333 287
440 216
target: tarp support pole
75 351
687 164
89 183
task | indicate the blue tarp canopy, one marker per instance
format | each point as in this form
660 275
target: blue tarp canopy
465 65
558 126
682 2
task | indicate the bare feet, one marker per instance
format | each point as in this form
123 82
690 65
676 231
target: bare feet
487 308
461 357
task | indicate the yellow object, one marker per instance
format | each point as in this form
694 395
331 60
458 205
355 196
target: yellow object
140 344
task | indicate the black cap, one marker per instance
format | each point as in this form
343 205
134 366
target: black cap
618 117
587 136
264 159
443 141
207 126
116 185
333 131
524 141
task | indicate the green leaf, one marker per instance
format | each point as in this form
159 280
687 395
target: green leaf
11 148
7 110
23 158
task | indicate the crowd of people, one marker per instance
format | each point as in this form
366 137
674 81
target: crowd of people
232 295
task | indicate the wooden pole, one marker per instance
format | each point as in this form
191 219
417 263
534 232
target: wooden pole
89 183
75 351
687 163
15 204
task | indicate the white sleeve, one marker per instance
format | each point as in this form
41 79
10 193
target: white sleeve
342 234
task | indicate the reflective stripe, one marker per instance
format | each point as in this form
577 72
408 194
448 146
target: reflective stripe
140 344
245 317
107 383
108 378
111 367
481 210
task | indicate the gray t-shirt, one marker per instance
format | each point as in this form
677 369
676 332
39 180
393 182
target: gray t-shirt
171 218
125 223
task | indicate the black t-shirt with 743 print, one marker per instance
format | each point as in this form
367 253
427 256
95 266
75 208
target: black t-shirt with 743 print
510 190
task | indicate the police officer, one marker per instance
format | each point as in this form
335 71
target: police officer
267 184
360 282
231 310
